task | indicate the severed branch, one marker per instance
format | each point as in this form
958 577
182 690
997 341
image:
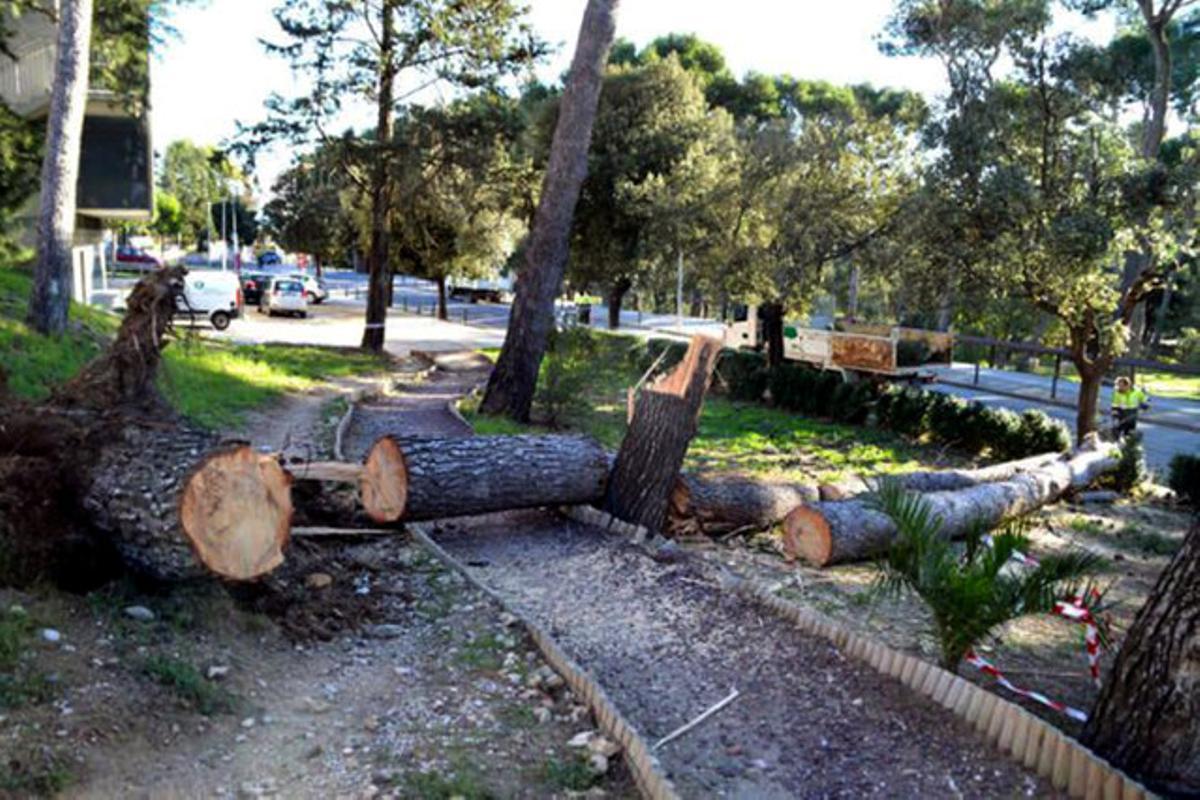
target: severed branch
680 731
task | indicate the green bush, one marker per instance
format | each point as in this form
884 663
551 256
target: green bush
743 375
1043 434
852 402
646 355
1131 468
1189 346
564 375
1185 478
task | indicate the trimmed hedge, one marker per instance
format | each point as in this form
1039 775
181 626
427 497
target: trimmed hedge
966 425
1185 478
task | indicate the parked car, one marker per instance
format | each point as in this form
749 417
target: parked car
284 296
253 284
314 288
269 258
136 259
215 295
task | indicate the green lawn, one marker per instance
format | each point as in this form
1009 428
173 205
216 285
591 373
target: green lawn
211 383
733 437
1163 384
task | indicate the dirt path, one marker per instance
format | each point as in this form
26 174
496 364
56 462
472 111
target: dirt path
667 643
417 408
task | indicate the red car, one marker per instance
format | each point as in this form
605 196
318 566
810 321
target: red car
132 258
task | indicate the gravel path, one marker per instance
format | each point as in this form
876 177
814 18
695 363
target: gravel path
667 644
417 409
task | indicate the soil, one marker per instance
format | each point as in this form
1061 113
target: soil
666 642
1044 653
361 668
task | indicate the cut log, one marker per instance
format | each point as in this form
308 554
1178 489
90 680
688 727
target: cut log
664 421
236 510
826 533
937 480
422 479
713 506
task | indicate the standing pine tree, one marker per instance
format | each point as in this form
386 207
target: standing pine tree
387 51
511 386
51 297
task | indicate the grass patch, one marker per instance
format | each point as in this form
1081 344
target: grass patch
189 685
211 383
464 782
39 774
571 774
1151 543
215 384
35 363
482 653
1088 527
732 437
21 683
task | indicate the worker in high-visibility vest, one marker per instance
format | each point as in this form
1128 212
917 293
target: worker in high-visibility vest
1127 401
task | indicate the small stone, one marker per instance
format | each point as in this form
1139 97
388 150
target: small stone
371 723
248 722
542 714
581 739
667 552
318 580
216 672
314 751
554 681
604 746
140 613
598 763
384 631
51 635
508 620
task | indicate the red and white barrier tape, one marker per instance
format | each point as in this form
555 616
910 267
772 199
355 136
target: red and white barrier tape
1076 611
984 666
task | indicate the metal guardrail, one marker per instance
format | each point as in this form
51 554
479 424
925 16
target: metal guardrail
1132 364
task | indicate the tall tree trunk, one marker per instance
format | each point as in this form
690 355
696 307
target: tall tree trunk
1147 720
852 292
1089 399
772 321
697 304
51 297
511 385
442 312
1156 32
616 294
379 282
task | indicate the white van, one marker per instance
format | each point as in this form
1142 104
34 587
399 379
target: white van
215 295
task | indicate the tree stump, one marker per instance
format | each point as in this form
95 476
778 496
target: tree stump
664 421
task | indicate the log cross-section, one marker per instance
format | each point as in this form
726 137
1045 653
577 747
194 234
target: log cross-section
665 416
236 510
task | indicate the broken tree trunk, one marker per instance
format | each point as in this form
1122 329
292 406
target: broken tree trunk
664 421
422 479
851 530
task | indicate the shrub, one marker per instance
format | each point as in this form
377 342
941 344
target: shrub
744 375
908 412
1189 346
1131 467
1040 433
791 386
1185 478
564 375
852 402
1001 429
971 595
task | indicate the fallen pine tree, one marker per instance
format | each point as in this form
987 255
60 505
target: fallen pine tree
825 533
718 505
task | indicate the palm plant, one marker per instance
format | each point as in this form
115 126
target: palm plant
973 593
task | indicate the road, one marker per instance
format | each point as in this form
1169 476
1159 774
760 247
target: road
1173 426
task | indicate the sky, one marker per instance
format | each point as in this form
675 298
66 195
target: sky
216 72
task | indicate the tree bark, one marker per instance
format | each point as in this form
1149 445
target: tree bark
379 282
512 383
50 301
480 474
712 506
772 320
1147 720
664 421
442 312
1090 378
616 295
852 530
938 480
852 291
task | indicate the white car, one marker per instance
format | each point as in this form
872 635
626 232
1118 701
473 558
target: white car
215 295
284 296
314 288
